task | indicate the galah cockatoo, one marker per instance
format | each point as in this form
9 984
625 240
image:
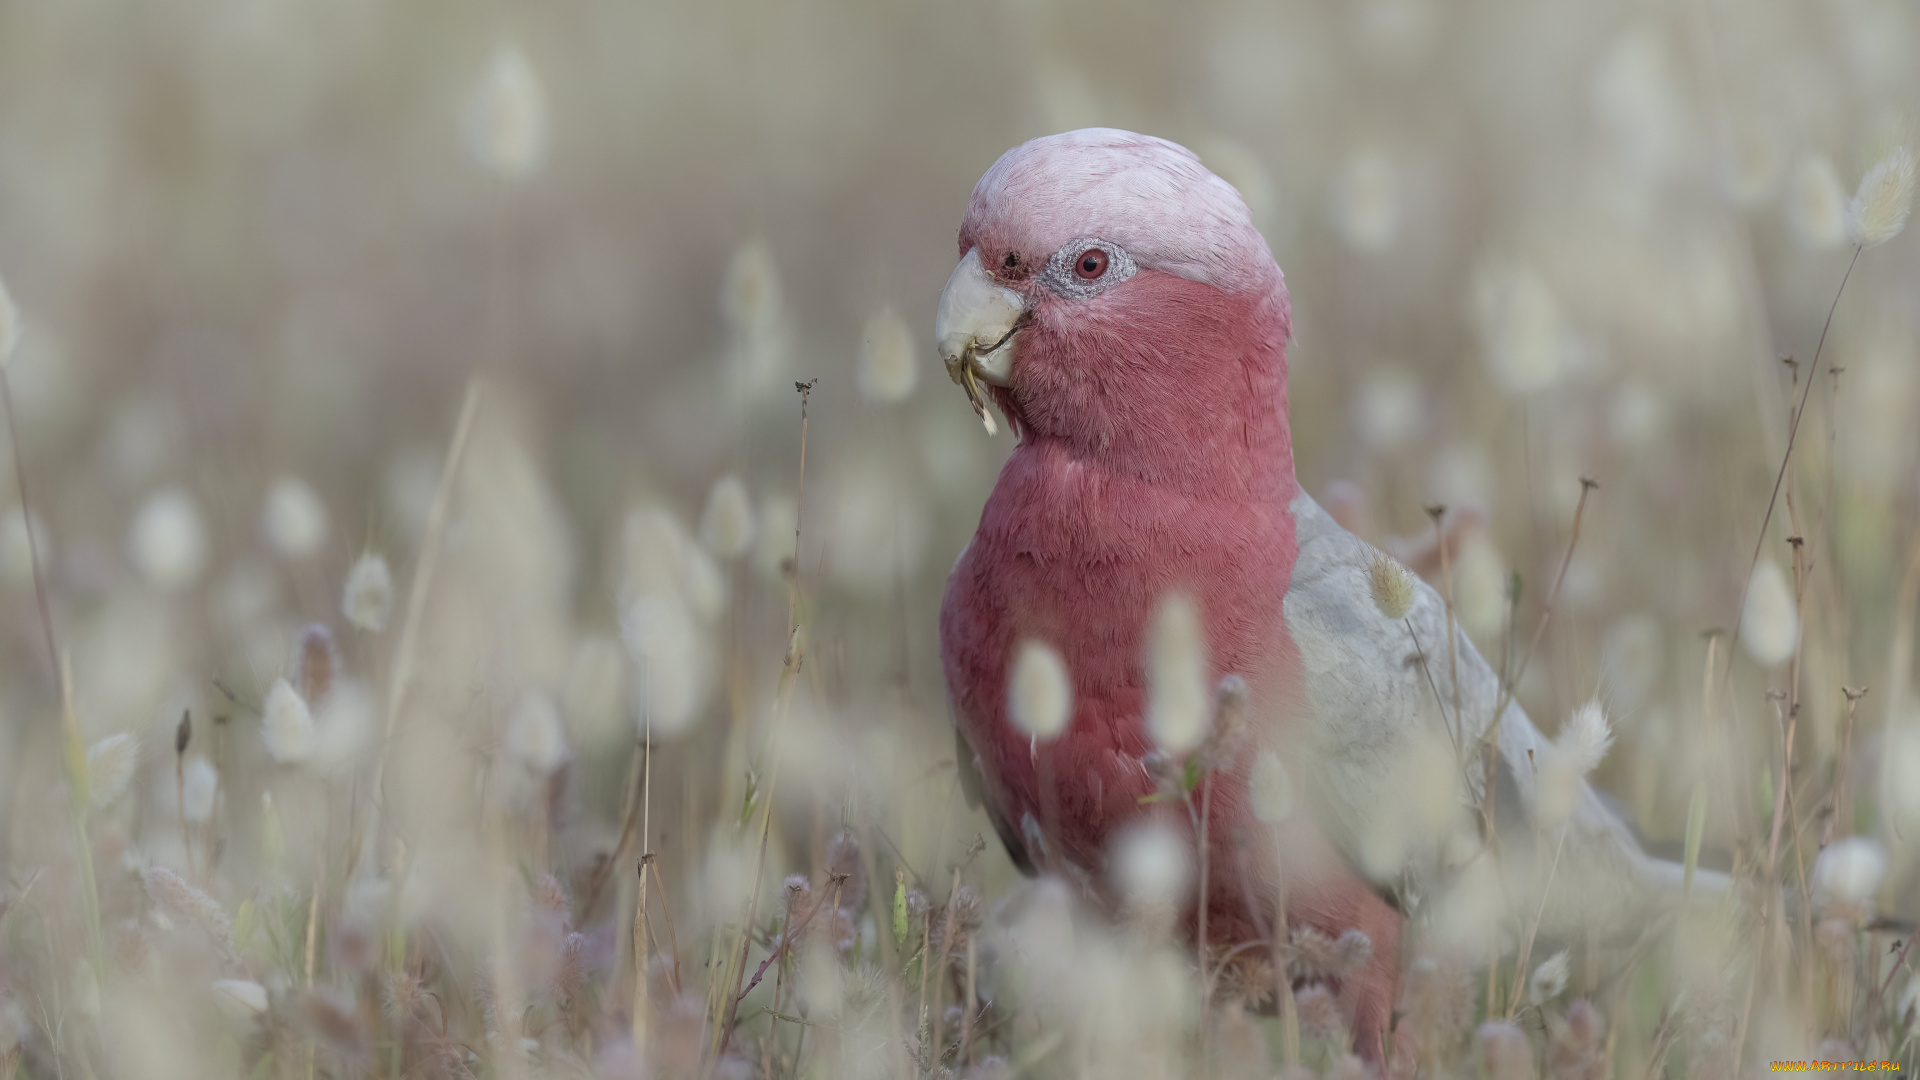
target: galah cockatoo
1129 321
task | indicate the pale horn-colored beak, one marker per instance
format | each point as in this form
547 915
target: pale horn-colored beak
974 330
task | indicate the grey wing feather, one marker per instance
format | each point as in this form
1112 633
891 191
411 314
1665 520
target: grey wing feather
1374 697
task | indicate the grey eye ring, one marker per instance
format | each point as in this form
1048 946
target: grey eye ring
1086 266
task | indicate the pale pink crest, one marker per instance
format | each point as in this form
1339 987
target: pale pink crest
1150 196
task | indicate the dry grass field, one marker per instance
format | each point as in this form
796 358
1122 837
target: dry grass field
407 439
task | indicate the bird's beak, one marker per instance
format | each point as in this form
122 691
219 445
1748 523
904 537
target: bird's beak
974 330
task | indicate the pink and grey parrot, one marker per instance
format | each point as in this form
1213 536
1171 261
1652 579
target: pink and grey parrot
1131 324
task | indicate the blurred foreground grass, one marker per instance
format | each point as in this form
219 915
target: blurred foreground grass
361 667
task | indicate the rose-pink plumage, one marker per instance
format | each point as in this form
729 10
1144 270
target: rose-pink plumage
1146 379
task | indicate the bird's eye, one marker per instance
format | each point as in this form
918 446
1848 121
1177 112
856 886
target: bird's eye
1092 263
1012 261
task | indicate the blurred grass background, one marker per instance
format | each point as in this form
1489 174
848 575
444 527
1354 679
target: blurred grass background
261 248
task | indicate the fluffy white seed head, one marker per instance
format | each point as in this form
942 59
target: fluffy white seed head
1585 738
506 123
1847 875
343 727
1522 330
1154 865
1549 979
752 300
368 598
1577 751
111 763
1769 621
1271 788
1879 208
1417 804
672 662
294 518
286 724
199 787
1387 408
727 526
1480 586
535 737
889 364
1040 694
1391 585
1177 693
169 541
240 1000
9 325
1817 204
1367 205
1505 1050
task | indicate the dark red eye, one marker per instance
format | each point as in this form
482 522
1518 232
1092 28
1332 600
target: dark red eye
1093 263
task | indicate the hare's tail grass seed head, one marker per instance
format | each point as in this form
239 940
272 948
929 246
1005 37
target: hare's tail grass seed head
1879 208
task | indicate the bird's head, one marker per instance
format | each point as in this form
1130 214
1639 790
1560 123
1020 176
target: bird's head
1113 294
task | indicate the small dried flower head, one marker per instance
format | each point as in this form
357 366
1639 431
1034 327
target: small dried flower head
1320 1013
111 763
844 861
889 367
1817 204
1577 751
1179 701
1577 1049
368 599
727 526
796 895
294 518
286 724
506 124
1769 621
1271 788
169 541
1154 865
1879 208
535 737
180 901
1504 1048
240 1000
1040 694
1847 875
199 789
1549 979
1437 999
1391 585
9 325
1314 954
315 660
1248 979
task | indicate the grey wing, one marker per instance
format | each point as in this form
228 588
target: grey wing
1381 692
974 788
